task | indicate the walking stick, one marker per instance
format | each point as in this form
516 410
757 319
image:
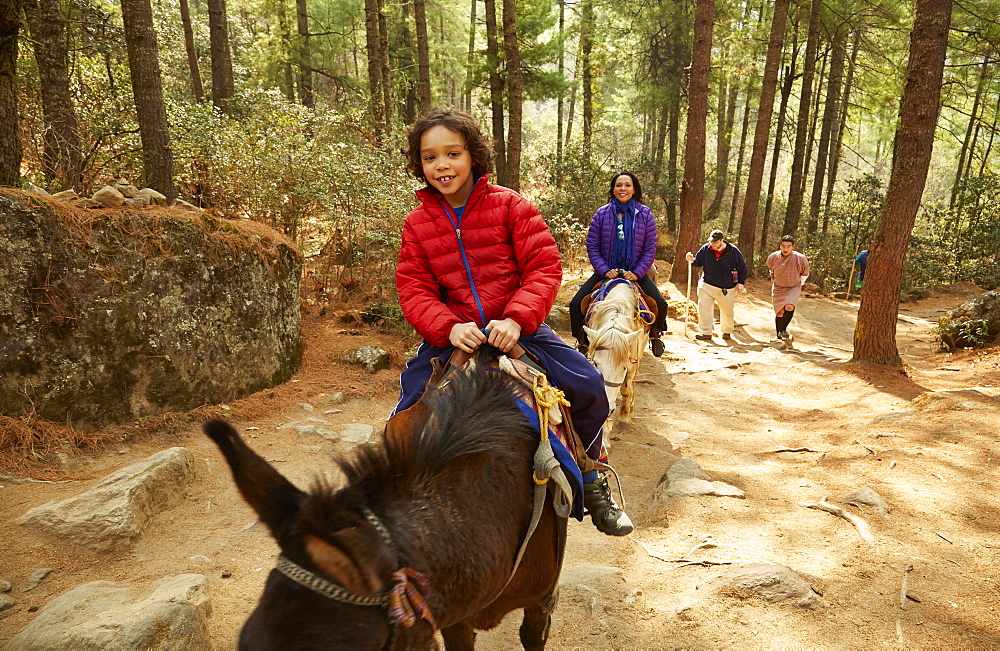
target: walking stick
687 306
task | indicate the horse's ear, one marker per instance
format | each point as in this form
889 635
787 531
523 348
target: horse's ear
591 334
634 336
273 497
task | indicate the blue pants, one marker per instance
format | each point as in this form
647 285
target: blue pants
567 369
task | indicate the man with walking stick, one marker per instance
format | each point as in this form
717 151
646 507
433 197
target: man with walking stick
723 277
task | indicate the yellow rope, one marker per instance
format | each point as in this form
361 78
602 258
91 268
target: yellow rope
546 397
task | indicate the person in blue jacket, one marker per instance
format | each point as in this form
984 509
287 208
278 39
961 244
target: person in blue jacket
723 277
862 262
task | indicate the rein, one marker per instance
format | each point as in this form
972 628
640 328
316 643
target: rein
405 601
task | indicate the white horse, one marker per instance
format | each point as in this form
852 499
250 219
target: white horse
617 338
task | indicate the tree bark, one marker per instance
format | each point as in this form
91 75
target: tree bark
973 120
496 91
875 332
727 116
786 91
837 149
586 47
515 95
305 76
471 59
147 89
407 64
222 62
794 210
385 77
374 55
762 129
192 53
693 185
10 136
830 109
739 165
673 138
62 157
559 99
423 56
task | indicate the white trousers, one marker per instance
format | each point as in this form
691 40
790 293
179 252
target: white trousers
707 296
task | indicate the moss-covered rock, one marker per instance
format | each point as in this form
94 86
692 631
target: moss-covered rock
111 315
973 324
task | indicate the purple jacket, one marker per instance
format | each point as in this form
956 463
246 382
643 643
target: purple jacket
600 242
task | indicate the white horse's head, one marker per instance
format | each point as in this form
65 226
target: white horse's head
617 338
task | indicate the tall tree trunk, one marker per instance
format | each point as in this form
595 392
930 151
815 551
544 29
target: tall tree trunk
373 44
811 138
786 91
147 89
586 46
192 53
559 99
989 144
739 164
515 94
496 91
407 63
222 61
63 154
762 129
794 210
661 141
471 60
875 332
673 138
423 56
838 146
287 75
571 112
305 72
830 109
693 187
724 145
10 136
973 116
385 76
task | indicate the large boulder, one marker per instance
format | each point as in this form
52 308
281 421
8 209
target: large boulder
172 614
107 316
972 325
114 514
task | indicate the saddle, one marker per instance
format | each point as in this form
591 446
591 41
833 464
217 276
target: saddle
646 305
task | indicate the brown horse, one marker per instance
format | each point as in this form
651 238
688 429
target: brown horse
423 537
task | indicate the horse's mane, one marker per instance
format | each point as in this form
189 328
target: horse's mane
474 413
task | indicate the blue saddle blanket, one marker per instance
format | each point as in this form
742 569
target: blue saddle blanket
564 457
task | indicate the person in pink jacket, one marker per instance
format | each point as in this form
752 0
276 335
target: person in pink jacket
477 257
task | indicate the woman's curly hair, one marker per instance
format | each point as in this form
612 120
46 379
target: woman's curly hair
461 123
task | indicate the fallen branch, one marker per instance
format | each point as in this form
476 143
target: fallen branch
782 448
859 523
683 561
16 480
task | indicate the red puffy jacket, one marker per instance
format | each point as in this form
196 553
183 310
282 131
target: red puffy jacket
513 259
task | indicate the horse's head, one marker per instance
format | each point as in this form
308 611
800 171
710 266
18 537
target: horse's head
616 355
330 587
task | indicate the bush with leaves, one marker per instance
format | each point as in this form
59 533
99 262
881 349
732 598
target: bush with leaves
315 176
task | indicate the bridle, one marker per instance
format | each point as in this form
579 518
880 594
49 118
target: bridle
405 602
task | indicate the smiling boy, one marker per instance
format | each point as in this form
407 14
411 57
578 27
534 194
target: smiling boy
477 256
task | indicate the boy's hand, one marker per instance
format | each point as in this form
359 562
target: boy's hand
505 333
466 337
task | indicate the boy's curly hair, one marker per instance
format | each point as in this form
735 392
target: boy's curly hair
461 123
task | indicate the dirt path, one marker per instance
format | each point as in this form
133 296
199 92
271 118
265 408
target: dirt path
935 460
